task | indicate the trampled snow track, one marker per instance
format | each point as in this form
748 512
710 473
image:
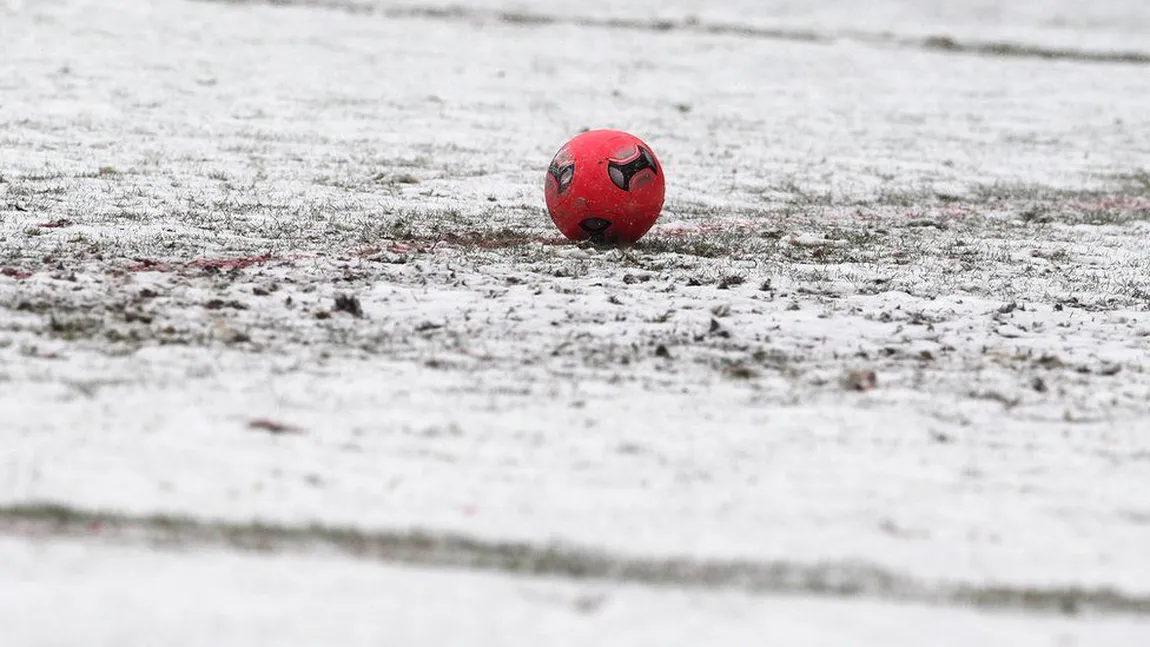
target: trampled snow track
288 265
1021 35
830 579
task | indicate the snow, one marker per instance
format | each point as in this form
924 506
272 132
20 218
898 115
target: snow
1057 25
98 595
187 186
662 460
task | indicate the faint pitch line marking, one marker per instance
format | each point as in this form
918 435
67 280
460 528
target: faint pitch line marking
843 579
931 43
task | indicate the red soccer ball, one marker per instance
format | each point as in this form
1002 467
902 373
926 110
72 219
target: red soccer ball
605 186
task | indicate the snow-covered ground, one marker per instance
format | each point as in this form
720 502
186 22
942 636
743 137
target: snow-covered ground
1057 27
290 265
63 593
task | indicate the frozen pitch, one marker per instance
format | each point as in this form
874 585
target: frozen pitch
290 352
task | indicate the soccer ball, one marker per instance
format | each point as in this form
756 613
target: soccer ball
605 186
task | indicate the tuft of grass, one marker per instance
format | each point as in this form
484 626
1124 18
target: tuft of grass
75 328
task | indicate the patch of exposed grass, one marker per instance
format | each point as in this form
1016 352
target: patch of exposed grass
732 245
73 328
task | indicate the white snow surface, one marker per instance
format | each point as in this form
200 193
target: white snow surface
61 593
970 228
1095 27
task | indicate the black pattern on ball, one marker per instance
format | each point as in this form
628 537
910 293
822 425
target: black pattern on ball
562 174
622 172
596 228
